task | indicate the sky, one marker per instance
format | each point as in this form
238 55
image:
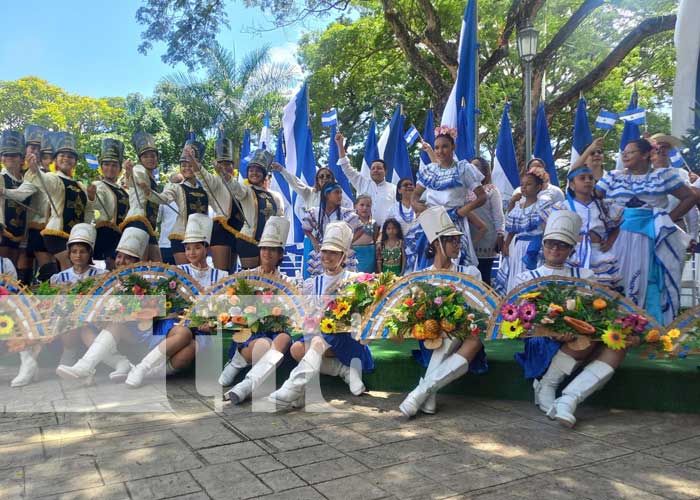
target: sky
90 47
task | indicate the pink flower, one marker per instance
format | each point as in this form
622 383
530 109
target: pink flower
172 284
527 325
438 301
509 312
365 277
527 312
640 323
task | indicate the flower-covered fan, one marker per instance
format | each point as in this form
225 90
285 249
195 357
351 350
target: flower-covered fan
680 339
20 319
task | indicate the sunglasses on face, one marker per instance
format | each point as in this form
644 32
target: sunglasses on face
324 176
555 244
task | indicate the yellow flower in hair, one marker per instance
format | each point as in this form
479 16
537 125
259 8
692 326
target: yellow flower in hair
327 325
512 329
667 343
613 339
675 333
6 324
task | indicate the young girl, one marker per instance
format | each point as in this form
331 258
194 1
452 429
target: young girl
599 230
179 348
266 347
329 354
364 242
522 248
391 256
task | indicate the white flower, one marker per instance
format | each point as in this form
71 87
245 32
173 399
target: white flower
571 304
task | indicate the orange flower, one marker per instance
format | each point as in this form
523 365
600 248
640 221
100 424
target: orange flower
239 320
599 304
224 318
652 337
231 291
409 302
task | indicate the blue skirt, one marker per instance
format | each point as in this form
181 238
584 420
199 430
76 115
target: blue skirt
366 258
235 346
308 248
478 366
161 328
346 349
538 354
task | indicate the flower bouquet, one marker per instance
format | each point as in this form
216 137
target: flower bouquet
674 343
62 301
135 298
557 309
343 312
431 312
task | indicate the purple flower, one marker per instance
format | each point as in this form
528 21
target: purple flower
527 312
437 301
509 312
172 284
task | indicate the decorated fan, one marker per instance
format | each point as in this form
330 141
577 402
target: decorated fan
555 305
680 339
429 306
136 292
249 302
20 320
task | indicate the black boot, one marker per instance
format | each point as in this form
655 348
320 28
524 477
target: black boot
46 271
26 276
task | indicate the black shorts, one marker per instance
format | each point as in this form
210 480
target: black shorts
152 240
8 243
177 246
246 249
35 242
221 237
106 243
55 244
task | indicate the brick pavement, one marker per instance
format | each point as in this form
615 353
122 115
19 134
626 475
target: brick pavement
195 449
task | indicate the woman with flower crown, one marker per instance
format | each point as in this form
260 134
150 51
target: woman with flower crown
336 354
449 183
453 358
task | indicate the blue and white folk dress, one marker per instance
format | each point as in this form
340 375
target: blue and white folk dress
316 226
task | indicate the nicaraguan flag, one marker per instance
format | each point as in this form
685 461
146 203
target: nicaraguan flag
464 149
686 91
395 153
329 118
637 116
428 136
505 174
279 184
605 120
92 162
411 136
265 139
245 155
582 131
676 158
630 132
371 149
543 144
299 158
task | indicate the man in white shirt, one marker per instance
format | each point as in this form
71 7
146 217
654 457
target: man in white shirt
382 192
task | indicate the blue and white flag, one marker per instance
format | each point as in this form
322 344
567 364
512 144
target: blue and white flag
543 145
676 158
582 131
428 136
605 120
411 136
265 139
464 144
371 149
630 132
92 161
279 183
686 91
299 157
340 176
329 118
395 153
505 174
245 155
637 116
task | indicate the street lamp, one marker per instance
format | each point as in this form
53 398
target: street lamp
527 48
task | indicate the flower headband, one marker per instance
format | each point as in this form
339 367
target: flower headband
445 130
538 172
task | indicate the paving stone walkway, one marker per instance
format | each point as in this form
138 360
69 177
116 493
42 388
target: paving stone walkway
192 447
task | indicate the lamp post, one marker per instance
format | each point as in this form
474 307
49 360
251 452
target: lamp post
527 49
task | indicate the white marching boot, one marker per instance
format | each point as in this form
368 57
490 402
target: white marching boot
28 370
592 378
450 369
352 376
102 347
121 366
231 369
438 355
151 363
260 371
293 388
562 366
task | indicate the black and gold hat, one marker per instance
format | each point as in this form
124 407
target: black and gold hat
63 142
12 142
224 149
47 141
33 134
262 159
112 149
199 149
143 142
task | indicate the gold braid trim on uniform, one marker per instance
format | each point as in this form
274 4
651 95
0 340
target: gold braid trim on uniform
109 224
55 232
139 218
10 236
36 225
224 223
176 236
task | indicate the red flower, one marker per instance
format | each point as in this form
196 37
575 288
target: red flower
409 302
4 291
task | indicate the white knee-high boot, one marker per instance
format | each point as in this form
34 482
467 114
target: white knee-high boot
121 366
592 378
151 362
293 388
102 347
351 375
231 369
260 371
562 366
28 370
438 355
451 369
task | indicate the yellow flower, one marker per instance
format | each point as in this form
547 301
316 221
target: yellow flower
341 309
459 311
6 324
327 325
614 339
667 342
531 295
512 329
675 333
168 305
